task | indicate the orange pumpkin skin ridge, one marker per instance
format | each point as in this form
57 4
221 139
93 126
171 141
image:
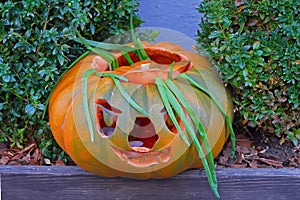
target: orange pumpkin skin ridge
69 127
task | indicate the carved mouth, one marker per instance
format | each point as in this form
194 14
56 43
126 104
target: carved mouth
139 159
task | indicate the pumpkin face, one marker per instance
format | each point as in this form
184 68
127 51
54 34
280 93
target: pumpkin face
127 142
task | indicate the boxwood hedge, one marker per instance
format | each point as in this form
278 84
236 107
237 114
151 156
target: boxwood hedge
256 47
36 47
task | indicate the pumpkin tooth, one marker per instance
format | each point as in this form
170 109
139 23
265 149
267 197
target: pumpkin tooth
141 149
159 160
124 157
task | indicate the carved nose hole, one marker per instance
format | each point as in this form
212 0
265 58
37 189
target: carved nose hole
143 136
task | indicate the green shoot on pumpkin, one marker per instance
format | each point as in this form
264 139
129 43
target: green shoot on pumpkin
209 168
103 49
227 119
198 124
170 112
106 46
66 70
171 70
137 42
129 99
86 110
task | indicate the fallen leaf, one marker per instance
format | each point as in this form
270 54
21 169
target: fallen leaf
239 3
4 160
244 165
28 148
245 150
47 161
9 153
282 140
253 164
282 99
252 22
271 162
240 9
36 157
226 155
13 162
25 159
60 163
245 121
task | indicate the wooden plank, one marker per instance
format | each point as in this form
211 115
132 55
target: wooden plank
34 182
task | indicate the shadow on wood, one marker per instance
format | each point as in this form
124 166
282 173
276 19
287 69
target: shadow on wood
35 182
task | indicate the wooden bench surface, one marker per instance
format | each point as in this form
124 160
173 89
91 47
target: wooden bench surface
70 182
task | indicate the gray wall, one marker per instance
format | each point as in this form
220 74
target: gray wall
179 15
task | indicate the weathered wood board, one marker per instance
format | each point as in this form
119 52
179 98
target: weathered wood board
36 182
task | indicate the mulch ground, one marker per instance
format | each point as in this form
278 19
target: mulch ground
258 150
255 150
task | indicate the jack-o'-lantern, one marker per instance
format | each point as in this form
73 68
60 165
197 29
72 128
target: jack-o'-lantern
147 118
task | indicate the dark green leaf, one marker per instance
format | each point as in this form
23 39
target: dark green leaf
30 109
61 59
92 28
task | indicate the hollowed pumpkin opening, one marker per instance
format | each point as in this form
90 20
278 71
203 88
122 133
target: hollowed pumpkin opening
169 123
106 117
143 136
158 55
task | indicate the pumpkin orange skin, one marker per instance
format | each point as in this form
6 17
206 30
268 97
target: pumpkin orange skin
105 156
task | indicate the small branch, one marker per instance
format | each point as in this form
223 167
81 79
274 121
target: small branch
17 95
44 28
222 30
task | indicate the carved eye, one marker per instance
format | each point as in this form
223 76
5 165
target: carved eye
169 123
106 117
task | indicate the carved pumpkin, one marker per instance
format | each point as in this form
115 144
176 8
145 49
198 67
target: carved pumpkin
129 143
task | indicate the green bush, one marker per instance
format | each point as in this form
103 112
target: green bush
36 47
256 47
